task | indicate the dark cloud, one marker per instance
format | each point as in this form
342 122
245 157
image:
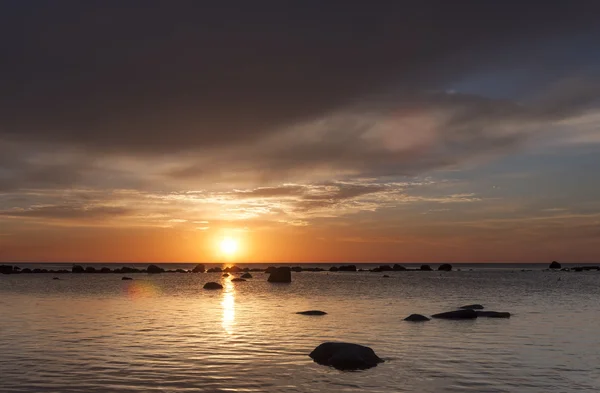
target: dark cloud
155 76
68 212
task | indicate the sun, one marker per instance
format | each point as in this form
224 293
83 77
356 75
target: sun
228 246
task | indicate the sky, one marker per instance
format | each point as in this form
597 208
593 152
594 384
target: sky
325 131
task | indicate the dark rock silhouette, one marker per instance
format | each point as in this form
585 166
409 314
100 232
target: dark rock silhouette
345 356
458 314
77 269
55 278
213 285
493 314
90 269
246 275
446 267
215 270
180 271
237 279
375 270
225 274
200 268
347 268
126 269
312 312
26 270
386 276
385 268
297 269
398 268
270 269
281 274
6 269
472 307
153 269
232 269
416 318
334 269
555 265
126 278
426 268
105 270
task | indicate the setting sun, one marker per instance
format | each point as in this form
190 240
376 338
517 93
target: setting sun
228 246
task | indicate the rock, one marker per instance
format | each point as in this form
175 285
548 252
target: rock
180 271
55 278
153 269
77 269
472 307
26 270
6 269
375 270
232 269
555 265
345 356
225 274
246 275
347 268
270 269
458 314
333 269
238 279
385 268
416 318
297 269
215 270
213 285
90 269
200 268
312 312
281 274
426 268
386 276
105 270
446 267
126 278
398 268
493 314
126 269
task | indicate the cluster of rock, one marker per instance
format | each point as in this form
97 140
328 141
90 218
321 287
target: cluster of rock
470 311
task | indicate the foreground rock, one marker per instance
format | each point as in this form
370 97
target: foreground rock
312 312
126 278
493 314
237 279
246 275
281 274
555 265
416 318
458 314
446 267
472 307
213 285
345 356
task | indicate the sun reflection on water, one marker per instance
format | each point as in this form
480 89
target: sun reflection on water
228 304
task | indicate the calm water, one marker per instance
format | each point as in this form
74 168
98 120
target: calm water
164 333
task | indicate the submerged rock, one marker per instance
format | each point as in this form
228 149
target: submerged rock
237 279
458 314
416 318
225 274
493 314
281 274
213 285
312 312
555 265
246 275
345 356
472 307
446 267
126 278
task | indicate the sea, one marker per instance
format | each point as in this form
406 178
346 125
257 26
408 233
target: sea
165 333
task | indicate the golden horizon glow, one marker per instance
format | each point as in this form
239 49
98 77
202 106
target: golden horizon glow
228 246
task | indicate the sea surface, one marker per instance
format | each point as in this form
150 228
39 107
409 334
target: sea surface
164 333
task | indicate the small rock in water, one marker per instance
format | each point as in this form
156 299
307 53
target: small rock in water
126 278
446 267
472 307
345 356
246 275
237 279
555 265
225 274
458 314
55 278
213 285
416 318
493 314
386 276
312 312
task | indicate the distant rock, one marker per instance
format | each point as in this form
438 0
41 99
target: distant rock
105 270
153 269
555 265
225 274
472 307
77 269
237 279
386 276
55 278
334 269
426 268
281 274
270 269
215 270
232 269
6 269
181 271
458 314
385 268
297 269
200 268
90 269
375 270
345 356
416 318
398 268
493 314
26 270
347 268
312 312
213 285
246 275
446 267
126 278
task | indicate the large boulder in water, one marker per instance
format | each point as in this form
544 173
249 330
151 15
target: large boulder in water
312 312
77 269
493 314
200 268
153 269
458 314
446 267
246 275
426 268
213 285
281 274
555 265
6 269
345 356
472 307
416 318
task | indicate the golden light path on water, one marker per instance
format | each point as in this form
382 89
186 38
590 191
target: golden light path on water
228 304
